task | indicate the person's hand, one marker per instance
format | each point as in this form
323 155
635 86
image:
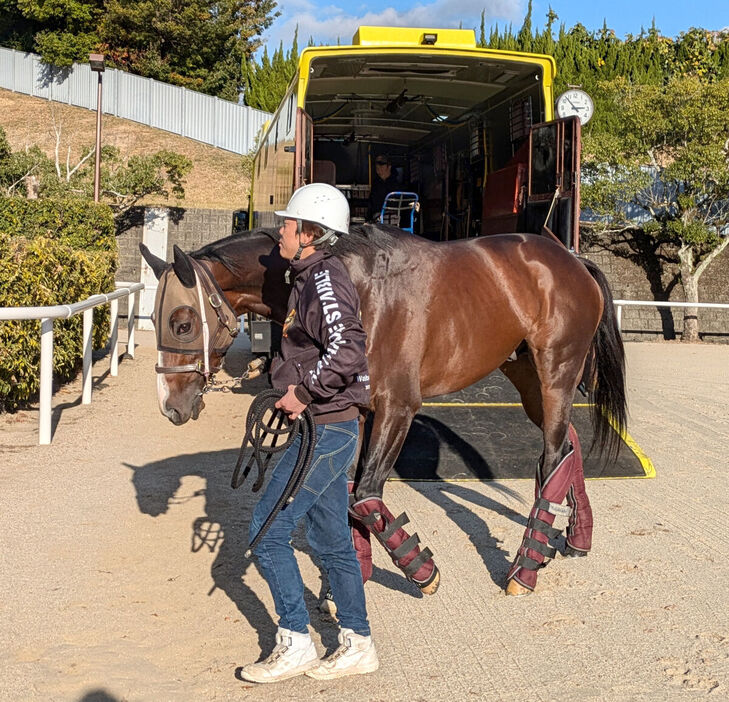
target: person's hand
291 404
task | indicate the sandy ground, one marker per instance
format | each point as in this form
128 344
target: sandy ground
124 578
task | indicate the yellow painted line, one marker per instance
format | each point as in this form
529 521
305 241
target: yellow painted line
645 462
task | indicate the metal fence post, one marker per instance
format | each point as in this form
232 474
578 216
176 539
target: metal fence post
113 350
46 380
131 302
183 107
87 350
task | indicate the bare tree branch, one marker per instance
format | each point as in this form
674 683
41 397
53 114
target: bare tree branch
10 188
79 164
57 133
710 257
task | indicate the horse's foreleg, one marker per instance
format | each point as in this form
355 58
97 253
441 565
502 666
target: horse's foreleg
360 534
389 430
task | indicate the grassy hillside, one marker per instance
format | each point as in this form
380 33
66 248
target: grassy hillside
216 181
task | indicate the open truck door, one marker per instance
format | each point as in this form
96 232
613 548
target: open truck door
540 186
304 138
553 180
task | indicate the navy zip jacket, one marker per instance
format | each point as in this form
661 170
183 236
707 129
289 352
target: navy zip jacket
323 344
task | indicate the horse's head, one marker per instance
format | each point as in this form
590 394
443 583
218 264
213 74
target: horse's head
194 326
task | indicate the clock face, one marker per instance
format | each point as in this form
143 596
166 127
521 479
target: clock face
575 102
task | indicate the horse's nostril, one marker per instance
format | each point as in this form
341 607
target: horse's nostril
174 416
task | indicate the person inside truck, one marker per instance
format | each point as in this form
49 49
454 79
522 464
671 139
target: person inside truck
383 182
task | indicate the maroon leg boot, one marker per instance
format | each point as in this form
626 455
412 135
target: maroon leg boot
535 549
579 528
417 565
361 543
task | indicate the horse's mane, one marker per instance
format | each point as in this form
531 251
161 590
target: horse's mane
231 251
362 239
365 238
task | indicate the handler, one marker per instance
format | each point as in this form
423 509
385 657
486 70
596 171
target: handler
322 364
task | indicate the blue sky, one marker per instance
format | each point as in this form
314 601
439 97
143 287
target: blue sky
327 20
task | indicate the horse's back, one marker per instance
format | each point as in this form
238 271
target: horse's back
543 261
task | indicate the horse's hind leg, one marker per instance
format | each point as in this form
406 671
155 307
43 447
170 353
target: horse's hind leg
579 526
389 429
523 375
559 473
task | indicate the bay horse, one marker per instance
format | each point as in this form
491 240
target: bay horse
439 316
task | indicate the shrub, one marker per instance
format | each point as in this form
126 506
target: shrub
80 224
49 256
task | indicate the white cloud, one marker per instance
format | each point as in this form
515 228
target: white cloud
326 24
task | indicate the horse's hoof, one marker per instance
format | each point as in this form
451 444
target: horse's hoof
432 586
570 552
515 589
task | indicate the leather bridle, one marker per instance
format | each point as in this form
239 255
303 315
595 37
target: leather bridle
226 319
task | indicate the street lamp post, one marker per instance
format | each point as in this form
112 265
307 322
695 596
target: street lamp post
96 62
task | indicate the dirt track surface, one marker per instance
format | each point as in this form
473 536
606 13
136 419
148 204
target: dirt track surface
124 577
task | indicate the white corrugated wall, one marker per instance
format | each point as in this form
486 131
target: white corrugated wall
178 110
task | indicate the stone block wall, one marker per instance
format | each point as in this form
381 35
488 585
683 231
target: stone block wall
636 272
190 229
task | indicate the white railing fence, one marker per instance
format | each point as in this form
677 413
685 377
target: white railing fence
619 304
50 313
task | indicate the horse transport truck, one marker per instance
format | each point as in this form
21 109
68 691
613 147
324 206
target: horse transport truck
469 130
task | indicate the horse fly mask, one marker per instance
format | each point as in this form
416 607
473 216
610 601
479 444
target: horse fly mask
194 320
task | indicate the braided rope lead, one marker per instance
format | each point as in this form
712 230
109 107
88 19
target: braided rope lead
257 431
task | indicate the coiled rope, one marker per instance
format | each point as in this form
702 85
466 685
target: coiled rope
257 431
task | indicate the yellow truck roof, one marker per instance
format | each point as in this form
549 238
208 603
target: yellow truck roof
414 36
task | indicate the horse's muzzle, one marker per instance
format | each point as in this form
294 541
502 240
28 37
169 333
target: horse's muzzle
179 418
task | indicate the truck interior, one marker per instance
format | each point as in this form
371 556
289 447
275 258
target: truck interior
466 133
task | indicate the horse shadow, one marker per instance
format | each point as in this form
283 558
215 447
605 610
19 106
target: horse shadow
433 439
223 530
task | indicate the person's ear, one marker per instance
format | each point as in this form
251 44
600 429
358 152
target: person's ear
306 238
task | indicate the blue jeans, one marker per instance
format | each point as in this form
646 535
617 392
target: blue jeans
323 500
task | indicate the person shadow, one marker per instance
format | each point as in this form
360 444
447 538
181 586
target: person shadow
222 530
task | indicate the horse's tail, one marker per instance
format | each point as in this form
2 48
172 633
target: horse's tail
605 373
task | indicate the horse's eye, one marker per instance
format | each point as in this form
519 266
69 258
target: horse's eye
185 324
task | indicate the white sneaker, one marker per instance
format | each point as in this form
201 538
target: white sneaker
356 654
293 655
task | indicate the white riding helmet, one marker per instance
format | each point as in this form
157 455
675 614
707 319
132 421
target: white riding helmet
321 204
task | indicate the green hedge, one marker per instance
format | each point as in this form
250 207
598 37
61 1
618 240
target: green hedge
45 267
80 224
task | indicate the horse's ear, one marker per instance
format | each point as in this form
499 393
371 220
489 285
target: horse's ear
155 262
183 267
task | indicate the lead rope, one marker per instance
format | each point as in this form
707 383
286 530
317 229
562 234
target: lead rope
257 430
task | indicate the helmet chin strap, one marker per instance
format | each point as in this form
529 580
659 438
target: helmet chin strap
329 235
